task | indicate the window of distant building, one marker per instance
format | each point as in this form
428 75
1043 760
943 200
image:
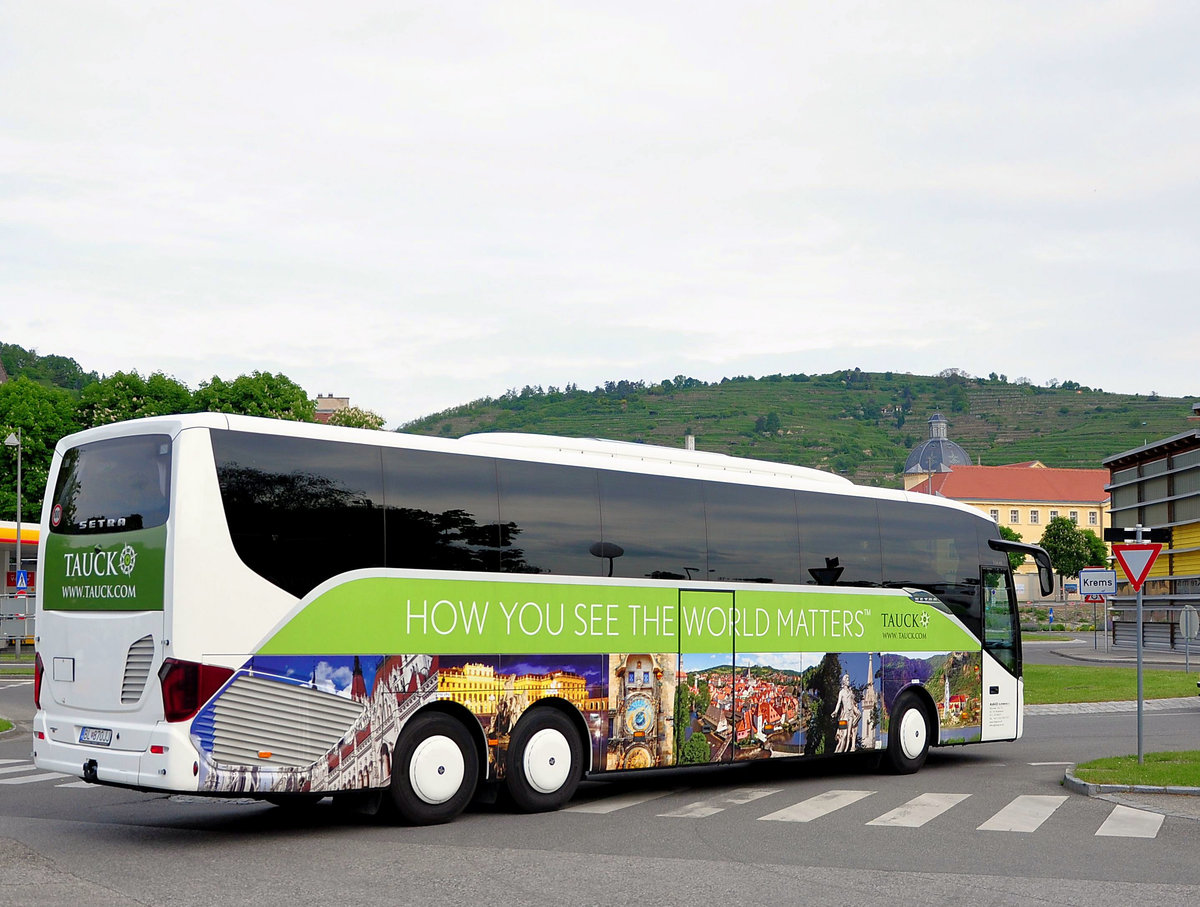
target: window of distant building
995 515
1014 516
1093 518
1054 514
1033 516
1074 514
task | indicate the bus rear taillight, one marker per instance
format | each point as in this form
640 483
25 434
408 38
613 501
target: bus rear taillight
186 686
38 670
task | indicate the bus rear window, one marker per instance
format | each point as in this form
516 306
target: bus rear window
116 485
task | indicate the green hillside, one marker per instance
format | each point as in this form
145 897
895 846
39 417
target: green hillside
49 371
861 424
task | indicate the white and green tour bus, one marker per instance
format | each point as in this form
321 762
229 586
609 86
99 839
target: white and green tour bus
247 607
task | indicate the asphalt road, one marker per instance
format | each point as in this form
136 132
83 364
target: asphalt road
988 823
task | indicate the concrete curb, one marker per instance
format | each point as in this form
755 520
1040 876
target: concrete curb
1077 786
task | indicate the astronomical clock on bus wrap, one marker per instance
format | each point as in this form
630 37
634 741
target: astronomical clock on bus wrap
641 709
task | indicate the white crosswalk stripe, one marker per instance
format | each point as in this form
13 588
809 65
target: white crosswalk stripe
605 805
1127 822
919 810
19 767
1025 813
818 806
30 779
704 808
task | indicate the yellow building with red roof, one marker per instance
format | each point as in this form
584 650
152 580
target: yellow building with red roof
1025 497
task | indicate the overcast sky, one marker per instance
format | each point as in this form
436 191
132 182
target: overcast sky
420 204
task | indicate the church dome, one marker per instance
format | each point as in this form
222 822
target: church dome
939 453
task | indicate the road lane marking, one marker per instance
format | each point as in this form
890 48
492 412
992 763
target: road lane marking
29 779
919 810
23 767
604 805
816 807
1025 813
703 808
1127 822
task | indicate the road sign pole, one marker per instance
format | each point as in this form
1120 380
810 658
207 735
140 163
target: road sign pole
1189 625
1139 656
1136 559
1139 670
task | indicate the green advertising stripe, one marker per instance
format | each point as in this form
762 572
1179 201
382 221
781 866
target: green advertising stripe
119 571
455 616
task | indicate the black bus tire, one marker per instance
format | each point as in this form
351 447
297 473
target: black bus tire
908 735
544 760
435 768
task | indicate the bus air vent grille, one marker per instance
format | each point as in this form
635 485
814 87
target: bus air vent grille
296 724
137 670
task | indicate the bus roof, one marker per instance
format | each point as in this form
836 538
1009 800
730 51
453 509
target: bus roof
625 456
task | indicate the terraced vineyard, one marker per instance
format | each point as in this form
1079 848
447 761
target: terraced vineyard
861 424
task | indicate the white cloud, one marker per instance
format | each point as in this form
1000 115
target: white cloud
416 207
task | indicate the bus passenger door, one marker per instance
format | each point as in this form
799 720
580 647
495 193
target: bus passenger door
705 726
1003 691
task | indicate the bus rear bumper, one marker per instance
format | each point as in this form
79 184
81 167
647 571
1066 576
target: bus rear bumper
154 768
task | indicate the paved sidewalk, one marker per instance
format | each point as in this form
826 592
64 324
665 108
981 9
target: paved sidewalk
1148 705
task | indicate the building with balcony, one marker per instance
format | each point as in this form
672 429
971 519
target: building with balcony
1157 486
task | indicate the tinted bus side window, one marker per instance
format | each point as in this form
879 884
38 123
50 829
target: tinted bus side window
839 540
752 534
931 548
300 510
551 519
442 511
657 524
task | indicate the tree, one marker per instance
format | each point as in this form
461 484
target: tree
1068 550
257 394
696 751
1098 550
354 417
1015 558
43 415
127 395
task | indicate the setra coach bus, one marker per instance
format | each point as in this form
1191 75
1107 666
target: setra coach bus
247 607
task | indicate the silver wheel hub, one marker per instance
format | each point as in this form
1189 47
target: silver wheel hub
913 733
436 769
547 762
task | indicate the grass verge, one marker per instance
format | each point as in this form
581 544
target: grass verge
1180 769
1046 684
5 725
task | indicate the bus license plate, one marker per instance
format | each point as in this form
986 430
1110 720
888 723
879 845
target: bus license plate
95 736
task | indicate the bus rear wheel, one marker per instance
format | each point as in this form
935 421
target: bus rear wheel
543 764
434 770
908 735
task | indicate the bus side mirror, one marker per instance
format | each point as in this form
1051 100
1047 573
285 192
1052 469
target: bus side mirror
1039 555
1045 575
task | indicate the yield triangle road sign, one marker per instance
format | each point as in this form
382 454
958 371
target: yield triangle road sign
1136 559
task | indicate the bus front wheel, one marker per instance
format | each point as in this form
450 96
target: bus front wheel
908 735
434 769
542 768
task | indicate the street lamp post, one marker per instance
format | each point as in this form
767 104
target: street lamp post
14 440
